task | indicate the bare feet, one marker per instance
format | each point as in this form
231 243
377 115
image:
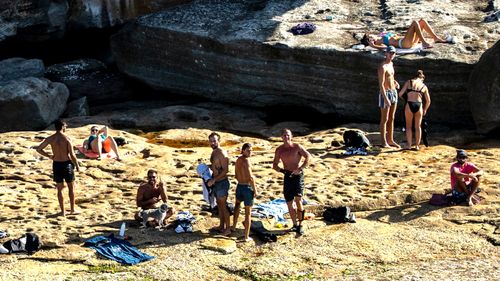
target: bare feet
249 239
470 202
385 145
417 147
74 212
233 228
217 229
394 144
118 159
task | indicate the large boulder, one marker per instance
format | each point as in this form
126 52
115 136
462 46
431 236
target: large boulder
33 20
15 68
242 52
92 79
31 103
484 91
104 13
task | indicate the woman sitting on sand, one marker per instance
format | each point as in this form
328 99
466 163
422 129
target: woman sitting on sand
101 142
413 90
413 36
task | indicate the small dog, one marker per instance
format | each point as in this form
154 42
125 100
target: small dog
158 214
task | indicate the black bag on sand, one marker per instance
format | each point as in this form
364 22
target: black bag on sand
257 228
339 215
355 139
30 243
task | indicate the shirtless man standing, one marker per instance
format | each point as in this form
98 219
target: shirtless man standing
150 194
64 162
388 98
219 182
245 191
290 155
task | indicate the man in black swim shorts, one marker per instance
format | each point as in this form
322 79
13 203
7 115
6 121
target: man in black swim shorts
290 154
64 161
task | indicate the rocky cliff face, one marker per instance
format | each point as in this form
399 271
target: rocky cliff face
38 20
241 52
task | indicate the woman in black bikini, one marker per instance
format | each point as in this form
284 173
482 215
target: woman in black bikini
415 90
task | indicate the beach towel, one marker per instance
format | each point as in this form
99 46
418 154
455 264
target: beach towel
93 155
116 249
417 49
276 208
205 173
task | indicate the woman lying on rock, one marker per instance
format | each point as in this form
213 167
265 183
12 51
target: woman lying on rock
413 37
101 142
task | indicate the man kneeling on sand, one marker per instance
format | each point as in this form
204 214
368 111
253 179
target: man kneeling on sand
464 179
149 196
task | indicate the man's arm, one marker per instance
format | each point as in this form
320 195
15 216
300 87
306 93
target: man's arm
72 155
43 145
276 161
307 157
163 192
381 81
248 166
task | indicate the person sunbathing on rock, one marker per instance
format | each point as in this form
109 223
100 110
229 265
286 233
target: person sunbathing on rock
413 37
101 142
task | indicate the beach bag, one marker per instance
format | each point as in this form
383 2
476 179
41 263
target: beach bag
30 243
355 139
120 141
440 200
339 215
303 28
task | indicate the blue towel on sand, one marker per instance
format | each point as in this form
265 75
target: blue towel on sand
116 249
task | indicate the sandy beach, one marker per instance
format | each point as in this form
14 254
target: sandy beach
397 236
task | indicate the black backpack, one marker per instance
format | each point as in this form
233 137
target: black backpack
32 244
338 215
355 139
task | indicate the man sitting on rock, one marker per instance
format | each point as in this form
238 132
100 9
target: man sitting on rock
150 194
464 179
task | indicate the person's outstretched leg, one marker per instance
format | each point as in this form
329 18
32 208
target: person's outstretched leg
390 126
424 26
60 197
236 214
409 121
418 129
413 36
114 147
384 113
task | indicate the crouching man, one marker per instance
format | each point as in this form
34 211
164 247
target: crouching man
150 195
465 178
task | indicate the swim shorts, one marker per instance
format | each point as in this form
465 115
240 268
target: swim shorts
244 192
293 185
392 94
63 171
221 188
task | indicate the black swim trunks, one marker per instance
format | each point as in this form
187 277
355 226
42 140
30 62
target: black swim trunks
63 171
293 185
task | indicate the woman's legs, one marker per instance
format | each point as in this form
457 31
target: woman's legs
418 130
424 25
409 122
114 146
413 36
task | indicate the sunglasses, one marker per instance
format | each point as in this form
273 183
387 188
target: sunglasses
94 130
152 177
462 157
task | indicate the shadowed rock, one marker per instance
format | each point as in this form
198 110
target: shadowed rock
242 53
484 91
15 68
31 103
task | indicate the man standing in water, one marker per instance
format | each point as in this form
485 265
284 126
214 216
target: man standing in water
64 162
290 155
219 182
388 98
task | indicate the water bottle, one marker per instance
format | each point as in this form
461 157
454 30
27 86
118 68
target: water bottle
122 230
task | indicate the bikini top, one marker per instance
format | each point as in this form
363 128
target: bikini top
386 37
93 137
420 92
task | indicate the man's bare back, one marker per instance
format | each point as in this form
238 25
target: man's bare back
243 170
